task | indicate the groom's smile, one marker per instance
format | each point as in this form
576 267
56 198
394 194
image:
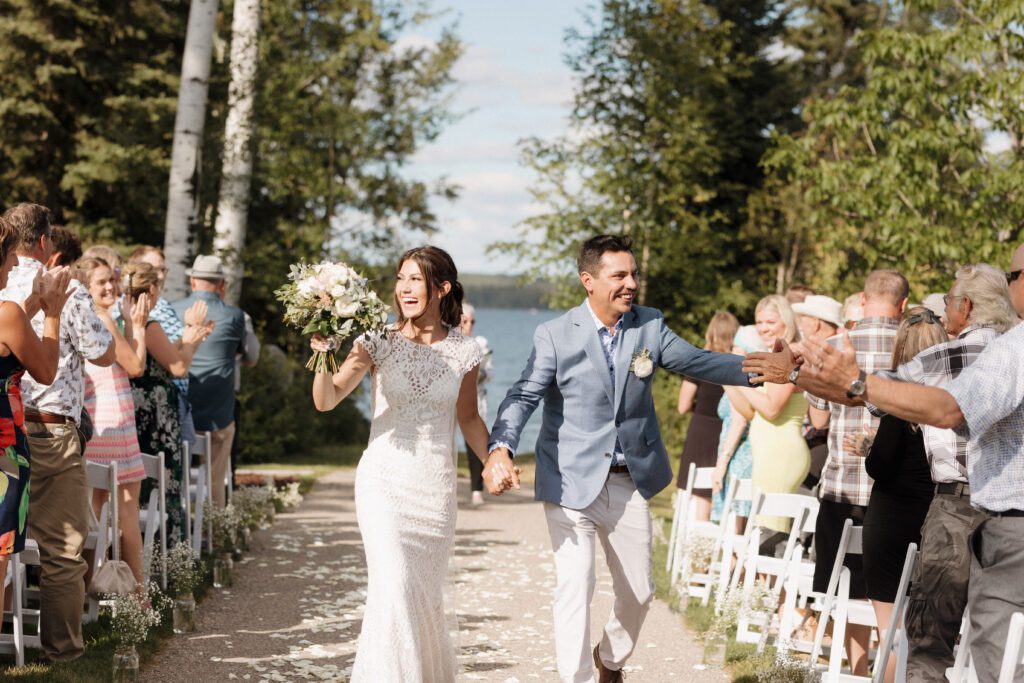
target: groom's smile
612 288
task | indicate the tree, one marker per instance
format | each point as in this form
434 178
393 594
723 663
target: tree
182 189
86 110
236 176
920 167
673 112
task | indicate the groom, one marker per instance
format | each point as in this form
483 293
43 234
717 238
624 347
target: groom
599 453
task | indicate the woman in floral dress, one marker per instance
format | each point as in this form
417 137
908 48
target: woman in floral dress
156 399
20 350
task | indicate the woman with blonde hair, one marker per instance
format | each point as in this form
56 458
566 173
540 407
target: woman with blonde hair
701 399
776 412
108 400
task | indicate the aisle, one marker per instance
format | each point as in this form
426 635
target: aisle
295 610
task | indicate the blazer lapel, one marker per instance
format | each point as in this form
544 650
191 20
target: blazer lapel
587 333
624 355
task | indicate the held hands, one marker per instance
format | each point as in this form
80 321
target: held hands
772 367
828 372
500 474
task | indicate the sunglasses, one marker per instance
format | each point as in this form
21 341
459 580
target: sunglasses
1013 275
926 316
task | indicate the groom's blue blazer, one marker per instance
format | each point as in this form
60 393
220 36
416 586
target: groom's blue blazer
584 414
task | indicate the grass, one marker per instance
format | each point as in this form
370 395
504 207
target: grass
96 663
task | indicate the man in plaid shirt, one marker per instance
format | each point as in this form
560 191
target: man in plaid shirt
845 486
978 309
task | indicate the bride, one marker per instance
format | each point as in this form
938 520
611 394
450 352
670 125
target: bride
424 379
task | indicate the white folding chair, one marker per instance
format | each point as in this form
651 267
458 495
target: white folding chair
153 517
838 606
895 635
794 507
732 542
962 670
698 583
199 485
681 504
18 640
1011 655
107 535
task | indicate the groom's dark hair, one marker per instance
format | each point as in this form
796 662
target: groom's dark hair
589 260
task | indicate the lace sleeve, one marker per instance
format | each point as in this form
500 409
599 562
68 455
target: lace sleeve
472 356
376 344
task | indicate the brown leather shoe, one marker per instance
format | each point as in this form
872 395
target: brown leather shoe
606 675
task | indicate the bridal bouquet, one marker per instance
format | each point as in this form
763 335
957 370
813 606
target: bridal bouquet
332 300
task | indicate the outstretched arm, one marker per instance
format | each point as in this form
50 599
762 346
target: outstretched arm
475 432
330 390
683 358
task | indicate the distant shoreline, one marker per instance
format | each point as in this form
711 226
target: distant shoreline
505 291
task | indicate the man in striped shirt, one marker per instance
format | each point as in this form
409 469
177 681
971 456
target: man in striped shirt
845 486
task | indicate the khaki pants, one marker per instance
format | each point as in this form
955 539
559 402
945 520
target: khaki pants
220 456
58 520
620 518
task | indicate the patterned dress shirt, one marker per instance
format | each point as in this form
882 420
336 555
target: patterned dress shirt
844 478
83 336
990 394
609 343
948 453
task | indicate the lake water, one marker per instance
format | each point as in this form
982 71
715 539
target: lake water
509 333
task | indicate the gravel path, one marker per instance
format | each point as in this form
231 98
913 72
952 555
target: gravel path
295 609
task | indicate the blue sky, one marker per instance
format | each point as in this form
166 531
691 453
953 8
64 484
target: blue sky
512 84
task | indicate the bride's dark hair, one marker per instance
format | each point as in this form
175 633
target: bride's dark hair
437 268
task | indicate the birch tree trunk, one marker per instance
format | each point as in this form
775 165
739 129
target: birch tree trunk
233 203
183 187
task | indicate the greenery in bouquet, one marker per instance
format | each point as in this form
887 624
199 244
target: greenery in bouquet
134 615
331 300
183 571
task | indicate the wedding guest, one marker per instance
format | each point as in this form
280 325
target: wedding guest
796 294
978 311
60 517
733 458
67 248
853 310
845 486
902 489
702 399
776 412
109 256
173 327
476 465
108 400
21 351
211 379
156 402
818 317
248 357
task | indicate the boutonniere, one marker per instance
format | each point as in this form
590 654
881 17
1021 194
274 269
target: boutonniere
642 365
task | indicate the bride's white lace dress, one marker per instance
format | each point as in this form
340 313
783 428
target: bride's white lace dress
405 504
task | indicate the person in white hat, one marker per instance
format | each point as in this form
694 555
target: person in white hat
818 317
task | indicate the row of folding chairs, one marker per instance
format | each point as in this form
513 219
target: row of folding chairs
104 540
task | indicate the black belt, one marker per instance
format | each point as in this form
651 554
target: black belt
954 488
1004 513
619 469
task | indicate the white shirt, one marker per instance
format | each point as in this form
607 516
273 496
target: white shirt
83 336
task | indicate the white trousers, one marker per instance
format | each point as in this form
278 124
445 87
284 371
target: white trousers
621 519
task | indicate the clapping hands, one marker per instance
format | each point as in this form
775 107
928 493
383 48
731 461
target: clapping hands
52 290
500 474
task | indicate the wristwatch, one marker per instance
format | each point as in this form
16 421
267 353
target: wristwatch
858 386
794 375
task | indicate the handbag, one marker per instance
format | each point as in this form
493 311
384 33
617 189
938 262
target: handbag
113 578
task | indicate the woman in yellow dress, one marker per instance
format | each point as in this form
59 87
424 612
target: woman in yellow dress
776 412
